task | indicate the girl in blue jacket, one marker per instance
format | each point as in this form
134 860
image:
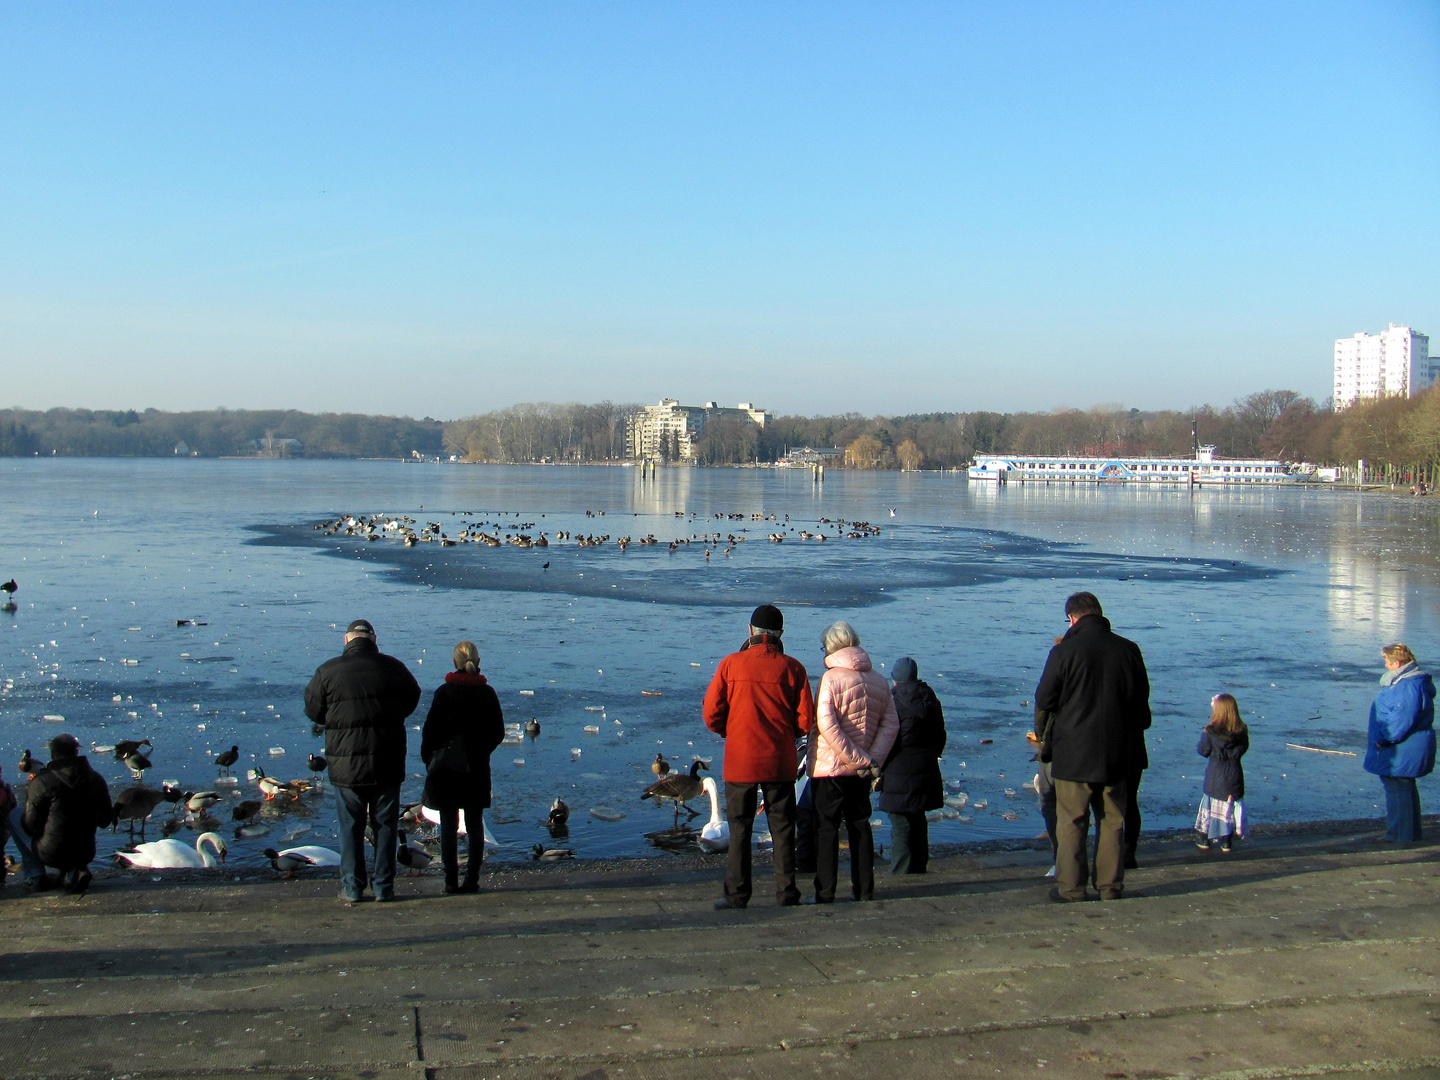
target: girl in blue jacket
1401 742
1222 808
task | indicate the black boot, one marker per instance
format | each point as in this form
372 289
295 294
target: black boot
452 885
472 874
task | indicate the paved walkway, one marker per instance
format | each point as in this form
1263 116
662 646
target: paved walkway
1292 957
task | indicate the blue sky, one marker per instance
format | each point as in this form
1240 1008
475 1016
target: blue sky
445 208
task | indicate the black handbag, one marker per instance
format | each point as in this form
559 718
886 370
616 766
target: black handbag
452 758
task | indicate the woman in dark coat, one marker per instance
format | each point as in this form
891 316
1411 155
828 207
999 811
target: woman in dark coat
910 781
462 730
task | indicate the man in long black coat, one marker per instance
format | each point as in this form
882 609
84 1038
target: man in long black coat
1096 686
362 697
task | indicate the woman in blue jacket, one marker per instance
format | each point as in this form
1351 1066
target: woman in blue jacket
1402 740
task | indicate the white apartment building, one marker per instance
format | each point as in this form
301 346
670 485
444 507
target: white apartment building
679 426
1392 363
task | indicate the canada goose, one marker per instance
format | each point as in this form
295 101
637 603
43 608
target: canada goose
10 588
412 856
679 789
172 854
715 836
228 758
660 767
292 859
136 804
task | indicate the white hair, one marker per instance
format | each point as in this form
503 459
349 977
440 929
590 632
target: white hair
839 635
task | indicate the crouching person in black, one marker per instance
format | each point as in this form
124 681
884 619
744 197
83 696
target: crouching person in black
64 805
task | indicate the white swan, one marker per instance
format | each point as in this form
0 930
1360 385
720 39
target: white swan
173 855
433 816
715 836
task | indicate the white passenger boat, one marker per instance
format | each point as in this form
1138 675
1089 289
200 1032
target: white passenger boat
1204 468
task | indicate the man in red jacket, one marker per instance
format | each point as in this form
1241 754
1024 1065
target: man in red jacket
759 702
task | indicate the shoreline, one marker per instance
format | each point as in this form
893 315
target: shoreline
667 861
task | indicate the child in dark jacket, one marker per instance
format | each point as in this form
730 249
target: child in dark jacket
1222 808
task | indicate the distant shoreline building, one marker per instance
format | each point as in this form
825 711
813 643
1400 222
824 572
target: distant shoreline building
1393 363
669 431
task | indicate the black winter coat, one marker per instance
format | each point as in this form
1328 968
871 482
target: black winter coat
1224 775
466 706
1096 685
362 697
910 778
64 805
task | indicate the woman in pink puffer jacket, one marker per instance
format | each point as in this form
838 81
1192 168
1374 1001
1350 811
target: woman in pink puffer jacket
855 727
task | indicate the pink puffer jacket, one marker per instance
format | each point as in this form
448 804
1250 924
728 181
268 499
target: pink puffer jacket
855 716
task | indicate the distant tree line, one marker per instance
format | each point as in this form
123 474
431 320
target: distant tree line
214 433
1396 436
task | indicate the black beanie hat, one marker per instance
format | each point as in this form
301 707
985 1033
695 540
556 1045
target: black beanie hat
904 670
768 617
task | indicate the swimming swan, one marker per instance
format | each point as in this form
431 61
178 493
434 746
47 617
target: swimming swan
173 855
715 836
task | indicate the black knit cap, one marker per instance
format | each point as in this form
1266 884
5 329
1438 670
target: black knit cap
768 617
360 626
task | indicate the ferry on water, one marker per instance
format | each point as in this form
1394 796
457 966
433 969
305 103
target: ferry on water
1203 468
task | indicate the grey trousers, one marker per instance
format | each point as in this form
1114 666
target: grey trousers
1074 802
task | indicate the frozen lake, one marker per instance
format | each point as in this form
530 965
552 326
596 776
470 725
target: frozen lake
1281 597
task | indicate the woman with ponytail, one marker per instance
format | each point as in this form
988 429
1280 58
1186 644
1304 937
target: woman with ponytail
462 730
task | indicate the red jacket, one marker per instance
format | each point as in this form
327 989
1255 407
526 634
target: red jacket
759 702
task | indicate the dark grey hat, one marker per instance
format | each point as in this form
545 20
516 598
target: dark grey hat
904 670
768 617
360 626
64 746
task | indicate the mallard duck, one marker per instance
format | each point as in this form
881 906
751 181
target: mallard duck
559 813
554 854
660 767
679 788
246 810
272 787
292 859
532 728
137 763
197 802
28 764
412 856
125 747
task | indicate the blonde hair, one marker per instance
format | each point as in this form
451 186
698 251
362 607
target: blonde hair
837 636
1225 716
467 658
1398 652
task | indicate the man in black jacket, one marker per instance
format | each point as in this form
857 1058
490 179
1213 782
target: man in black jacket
1096 686
362 698
64 805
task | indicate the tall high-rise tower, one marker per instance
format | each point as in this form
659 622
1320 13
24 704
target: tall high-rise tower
1392 363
